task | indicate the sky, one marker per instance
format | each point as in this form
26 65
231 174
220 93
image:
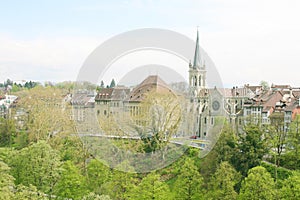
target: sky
248 41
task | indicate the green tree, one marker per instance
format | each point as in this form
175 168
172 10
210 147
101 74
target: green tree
277 138
112 83
223 182
189 182
102 85
6 182
36 165
291 158
265 85
222 151
151 187
121 182
250 149
7 132
98 174
93 196
291 187
258 185
71 184
47 114
28 193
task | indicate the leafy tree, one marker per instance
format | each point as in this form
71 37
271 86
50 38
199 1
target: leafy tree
189 182
47 114
98 174
121 182
291 159
112 83
250 149
28 193
6 182
265 85
157 119
71 184
291 187
223 151
102 85
277 136
223 182
151 187
93 196
258 185
36 165
7 132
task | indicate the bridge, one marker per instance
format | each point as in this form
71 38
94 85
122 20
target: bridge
195 143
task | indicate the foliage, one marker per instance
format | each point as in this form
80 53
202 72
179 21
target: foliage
189 182
36 165
121 182
151 187
7 132
250 149
157 119
71 184
223 182
258 185
97 174
291 187
6 182
112 83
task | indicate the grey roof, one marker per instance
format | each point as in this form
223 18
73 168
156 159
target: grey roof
197 59
151 83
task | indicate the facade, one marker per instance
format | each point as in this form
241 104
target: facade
204 106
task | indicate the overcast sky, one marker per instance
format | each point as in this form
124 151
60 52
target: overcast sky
248 41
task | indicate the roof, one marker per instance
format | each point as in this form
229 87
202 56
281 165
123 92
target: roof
84 99
197 59
294 104
151 83
112 94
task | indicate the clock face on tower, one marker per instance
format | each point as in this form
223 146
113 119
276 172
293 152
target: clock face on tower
216 105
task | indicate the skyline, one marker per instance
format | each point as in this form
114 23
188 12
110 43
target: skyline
248 41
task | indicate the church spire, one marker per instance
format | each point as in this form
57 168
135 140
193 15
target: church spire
197 59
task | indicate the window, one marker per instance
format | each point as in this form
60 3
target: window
212 121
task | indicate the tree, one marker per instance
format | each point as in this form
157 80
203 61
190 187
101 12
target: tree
112 83
291 158
29 193
121 182
157 119
291 187
93 196
222 151
7 132
47 114
189 182
250 149
277 137
223 182
71 184
36 165
258 185
150 188
6 182
265 85
102 85
98 174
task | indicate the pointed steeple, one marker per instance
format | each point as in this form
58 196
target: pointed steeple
197 59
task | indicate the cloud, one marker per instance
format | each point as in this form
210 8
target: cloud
43 58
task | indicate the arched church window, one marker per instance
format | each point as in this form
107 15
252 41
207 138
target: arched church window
195 80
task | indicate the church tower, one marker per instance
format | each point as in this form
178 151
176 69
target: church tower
197 72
